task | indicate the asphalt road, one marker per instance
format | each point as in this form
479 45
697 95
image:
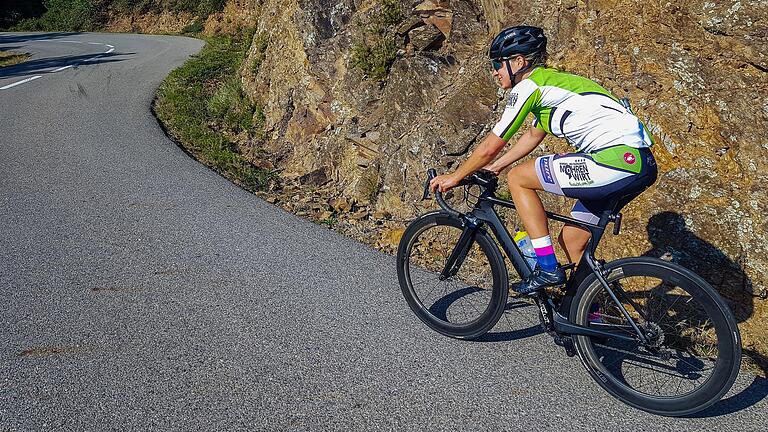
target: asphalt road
141 291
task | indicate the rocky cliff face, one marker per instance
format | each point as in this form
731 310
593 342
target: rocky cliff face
697 74
352 151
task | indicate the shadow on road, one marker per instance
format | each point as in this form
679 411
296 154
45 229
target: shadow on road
6 38
751 395
48 65
512 335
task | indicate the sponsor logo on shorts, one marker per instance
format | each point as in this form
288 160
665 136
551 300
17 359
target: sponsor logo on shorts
546 171
577 172
629 158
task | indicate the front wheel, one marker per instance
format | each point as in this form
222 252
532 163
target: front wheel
693 352
470 302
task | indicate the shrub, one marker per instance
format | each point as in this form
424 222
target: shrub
375 50
195 27
375 59
67 15
390 13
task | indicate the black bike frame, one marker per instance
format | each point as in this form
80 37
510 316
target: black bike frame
555 317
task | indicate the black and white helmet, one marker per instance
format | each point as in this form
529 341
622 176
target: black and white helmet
518 40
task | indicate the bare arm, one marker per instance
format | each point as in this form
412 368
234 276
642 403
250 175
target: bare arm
480 157
522 147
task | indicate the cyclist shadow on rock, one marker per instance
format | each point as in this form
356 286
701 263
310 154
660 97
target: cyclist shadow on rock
671 239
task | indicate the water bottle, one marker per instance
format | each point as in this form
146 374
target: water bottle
523 241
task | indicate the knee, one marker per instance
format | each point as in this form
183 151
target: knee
514 177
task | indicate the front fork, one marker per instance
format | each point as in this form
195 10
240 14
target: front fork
460 251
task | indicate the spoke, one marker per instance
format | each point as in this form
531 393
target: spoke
694 366
672 310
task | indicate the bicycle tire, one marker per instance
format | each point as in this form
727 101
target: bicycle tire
695 336
482 278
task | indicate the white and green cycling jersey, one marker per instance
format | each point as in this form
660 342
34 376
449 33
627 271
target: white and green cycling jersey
571 107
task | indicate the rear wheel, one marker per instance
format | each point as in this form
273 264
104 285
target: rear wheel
694 349
465 305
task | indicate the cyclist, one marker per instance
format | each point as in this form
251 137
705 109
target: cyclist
612 158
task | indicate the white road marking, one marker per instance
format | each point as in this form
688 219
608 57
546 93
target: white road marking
111 49
21 82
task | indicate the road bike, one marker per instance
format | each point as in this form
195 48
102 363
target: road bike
651 333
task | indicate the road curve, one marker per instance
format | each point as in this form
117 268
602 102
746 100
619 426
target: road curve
141 291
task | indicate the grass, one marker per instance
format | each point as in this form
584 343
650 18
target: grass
329 222
202 104
10 58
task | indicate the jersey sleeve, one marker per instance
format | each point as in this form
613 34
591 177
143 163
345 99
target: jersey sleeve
524 96
537 123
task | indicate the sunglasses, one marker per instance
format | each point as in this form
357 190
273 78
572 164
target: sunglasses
498 62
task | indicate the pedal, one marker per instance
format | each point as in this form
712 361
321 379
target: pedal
566 342
570 349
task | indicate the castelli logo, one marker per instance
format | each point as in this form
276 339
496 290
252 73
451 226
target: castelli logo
629 158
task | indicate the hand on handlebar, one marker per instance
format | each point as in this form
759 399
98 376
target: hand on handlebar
491 168
443 183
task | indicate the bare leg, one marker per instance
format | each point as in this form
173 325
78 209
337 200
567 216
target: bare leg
574 240
523 183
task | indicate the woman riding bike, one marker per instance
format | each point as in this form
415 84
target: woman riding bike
612 158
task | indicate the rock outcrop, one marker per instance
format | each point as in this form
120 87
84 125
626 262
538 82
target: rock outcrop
697 74
352 151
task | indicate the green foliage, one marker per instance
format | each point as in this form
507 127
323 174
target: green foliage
200 7
66 15
389 14
203 100
233 110
88 15
13 11
376 50
195 27
330 222
138 6
375 58
504 194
